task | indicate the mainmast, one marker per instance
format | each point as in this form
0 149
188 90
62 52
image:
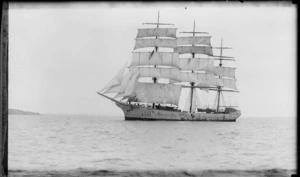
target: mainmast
192 71
220 65
192 83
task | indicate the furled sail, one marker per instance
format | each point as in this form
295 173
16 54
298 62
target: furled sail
202 40
158 32
155 58
158 93
207 50
225 72
117 79
197 64
142 43
167 73
229 83
201 79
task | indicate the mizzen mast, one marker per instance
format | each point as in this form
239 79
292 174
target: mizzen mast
220 89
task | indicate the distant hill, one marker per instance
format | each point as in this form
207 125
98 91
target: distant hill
20 112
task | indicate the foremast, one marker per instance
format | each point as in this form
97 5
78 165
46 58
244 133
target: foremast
156 37
150 60
156 47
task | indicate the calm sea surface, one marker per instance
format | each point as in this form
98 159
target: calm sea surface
106 144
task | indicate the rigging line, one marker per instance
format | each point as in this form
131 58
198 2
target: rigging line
156 24
109 98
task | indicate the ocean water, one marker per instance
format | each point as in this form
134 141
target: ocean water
68 145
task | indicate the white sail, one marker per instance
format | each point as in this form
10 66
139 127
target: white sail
113 89
228 83
197 64
125 81
225 72
126 87
196 100
155 58
122 94
158 93
207 50
173 81
203 101
159 32
167 73
130 88
228 99
201 79
187 100
117 79
203 40
142 43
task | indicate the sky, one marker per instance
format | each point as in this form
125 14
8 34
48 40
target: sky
61 54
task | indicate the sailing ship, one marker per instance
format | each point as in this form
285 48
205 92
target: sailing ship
165 65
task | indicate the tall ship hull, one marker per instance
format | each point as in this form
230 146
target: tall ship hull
132 112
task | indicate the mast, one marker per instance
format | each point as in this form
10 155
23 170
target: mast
156 48
219 87
192 84
221 58
157 34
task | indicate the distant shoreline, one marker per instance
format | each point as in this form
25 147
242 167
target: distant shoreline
21 112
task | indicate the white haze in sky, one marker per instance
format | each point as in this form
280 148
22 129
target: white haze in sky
61 54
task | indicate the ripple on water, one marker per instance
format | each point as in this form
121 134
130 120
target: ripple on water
167 147
156 142
181 139
151 173
109 160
